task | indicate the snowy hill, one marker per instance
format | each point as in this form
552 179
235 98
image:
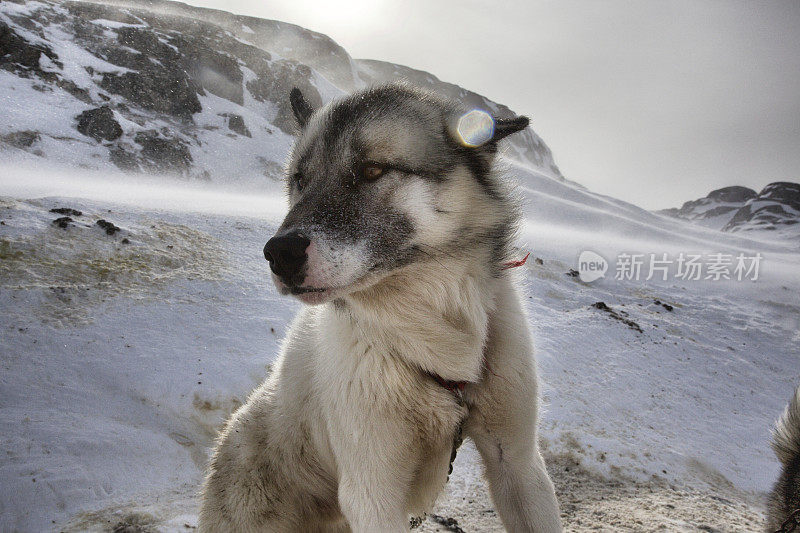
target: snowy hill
775 209
169 88
123 351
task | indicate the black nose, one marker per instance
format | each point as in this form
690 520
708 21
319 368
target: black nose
287 255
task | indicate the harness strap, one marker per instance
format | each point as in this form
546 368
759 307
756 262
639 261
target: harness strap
456 387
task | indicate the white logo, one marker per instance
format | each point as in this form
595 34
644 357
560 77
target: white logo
591 266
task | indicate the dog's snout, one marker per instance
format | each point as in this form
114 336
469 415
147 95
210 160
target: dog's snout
286 254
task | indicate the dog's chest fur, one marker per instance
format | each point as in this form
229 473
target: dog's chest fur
381 350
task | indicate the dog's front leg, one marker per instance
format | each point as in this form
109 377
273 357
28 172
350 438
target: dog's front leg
520 487
502 422
376 460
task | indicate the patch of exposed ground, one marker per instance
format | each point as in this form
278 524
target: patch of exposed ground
73 263
590 502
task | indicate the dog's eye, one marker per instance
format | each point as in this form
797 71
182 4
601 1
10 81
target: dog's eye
298 181
371 172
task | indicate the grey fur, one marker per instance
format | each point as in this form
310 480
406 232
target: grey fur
785 495
351 432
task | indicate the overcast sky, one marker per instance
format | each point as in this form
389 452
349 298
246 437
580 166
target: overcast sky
654 102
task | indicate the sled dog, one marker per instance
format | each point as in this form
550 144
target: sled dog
397 237
785 496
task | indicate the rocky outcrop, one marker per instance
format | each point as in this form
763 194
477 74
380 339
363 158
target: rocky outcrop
163 154
776 207
17 54
99 124
715 209
163 86
167 91
236 124
20 139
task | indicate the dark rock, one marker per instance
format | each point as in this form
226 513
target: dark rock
177 52
785 192
124 160
236 124
99 124
776 205
572 273
734 193
110 228
146 42
70 86
450 524
164 155
92 11
157 88
740 208
616 316
215 72
66 211
21 139
63 222
19 53
731 198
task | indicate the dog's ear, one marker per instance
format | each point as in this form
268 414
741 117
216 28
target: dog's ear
503 127
300 106
477 128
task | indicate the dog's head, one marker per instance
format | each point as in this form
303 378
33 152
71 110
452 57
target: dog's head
381 179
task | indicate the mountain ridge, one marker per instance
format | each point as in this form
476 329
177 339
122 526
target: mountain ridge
776 208
195 92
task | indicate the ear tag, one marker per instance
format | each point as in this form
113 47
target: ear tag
475 128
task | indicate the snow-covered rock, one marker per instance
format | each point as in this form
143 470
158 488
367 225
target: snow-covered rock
776 208
178 90
715 209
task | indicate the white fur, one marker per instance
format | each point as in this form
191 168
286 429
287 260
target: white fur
349 433
333 265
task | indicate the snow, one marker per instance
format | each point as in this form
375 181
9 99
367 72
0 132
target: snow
217 151
51 112
113 24
119 361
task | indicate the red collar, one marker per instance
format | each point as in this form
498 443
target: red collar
457 387
515 264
